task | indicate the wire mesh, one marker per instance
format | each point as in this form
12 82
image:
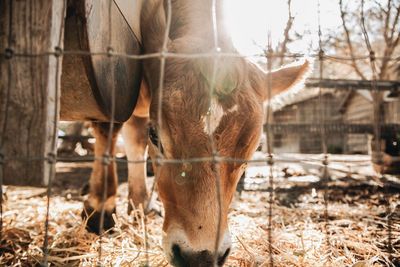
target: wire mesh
320 126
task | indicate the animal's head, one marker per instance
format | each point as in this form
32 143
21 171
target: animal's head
196 122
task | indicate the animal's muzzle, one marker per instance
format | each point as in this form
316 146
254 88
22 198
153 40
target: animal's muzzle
203 258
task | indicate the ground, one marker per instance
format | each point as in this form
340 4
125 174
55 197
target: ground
354 227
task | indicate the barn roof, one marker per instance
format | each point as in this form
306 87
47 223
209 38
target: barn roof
291 98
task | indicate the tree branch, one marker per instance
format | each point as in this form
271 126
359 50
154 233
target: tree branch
349 42
387 20
391 42
380 6
396 20
289 24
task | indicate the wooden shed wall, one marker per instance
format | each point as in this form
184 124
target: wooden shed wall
286 142
358 110
392 111
308 112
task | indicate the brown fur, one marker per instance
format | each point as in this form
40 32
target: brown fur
135 138
101 174
188 190
191 203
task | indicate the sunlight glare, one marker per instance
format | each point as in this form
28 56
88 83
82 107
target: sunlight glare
249 22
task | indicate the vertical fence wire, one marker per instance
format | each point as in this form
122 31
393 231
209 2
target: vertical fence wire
164 51
322 133
52 156
215 157
377 157
270 157
107 157
160 157
8 56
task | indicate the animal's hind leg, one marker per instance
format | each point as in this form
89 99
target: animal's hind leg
135 138
103 171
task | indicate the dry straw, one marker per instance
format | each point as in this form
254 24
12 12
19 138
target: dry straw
357 231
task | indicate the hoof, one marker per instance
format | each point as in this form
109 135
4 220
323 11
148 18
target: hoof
93 219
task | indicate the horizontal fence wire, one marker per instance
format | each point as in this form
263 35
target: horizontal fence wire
9 53
279 157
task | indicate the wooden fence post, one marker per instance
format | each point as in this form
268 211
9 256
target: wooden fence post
28 87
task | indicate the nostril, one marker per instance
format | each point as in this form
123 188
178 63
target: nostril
222 259
178 259
181 258
176 250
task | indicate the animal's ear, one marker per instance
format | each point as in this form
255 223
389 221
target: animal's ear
285 78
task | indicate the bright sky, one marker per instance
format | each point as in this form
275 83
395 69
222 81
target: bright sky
250 20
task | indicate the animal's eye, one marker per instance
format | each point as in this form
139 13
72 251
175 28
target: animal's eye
154 138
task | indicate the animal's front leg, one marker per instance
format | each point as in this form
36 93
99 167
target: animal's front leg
104 170
135 139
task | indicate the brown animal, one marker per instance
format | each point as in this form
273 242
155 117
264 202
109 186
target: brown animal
195 227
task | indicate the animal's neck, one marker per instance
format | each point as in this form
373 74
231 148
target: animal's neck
195 19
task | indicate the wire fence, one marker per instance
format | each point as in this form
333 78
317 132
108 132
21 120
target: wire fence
321 127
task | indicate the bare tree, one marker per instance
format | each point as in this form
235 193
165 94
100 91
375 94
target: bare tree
381 19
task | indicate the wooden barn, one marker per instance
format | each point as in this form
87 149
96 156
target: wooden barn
358 108
306 109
